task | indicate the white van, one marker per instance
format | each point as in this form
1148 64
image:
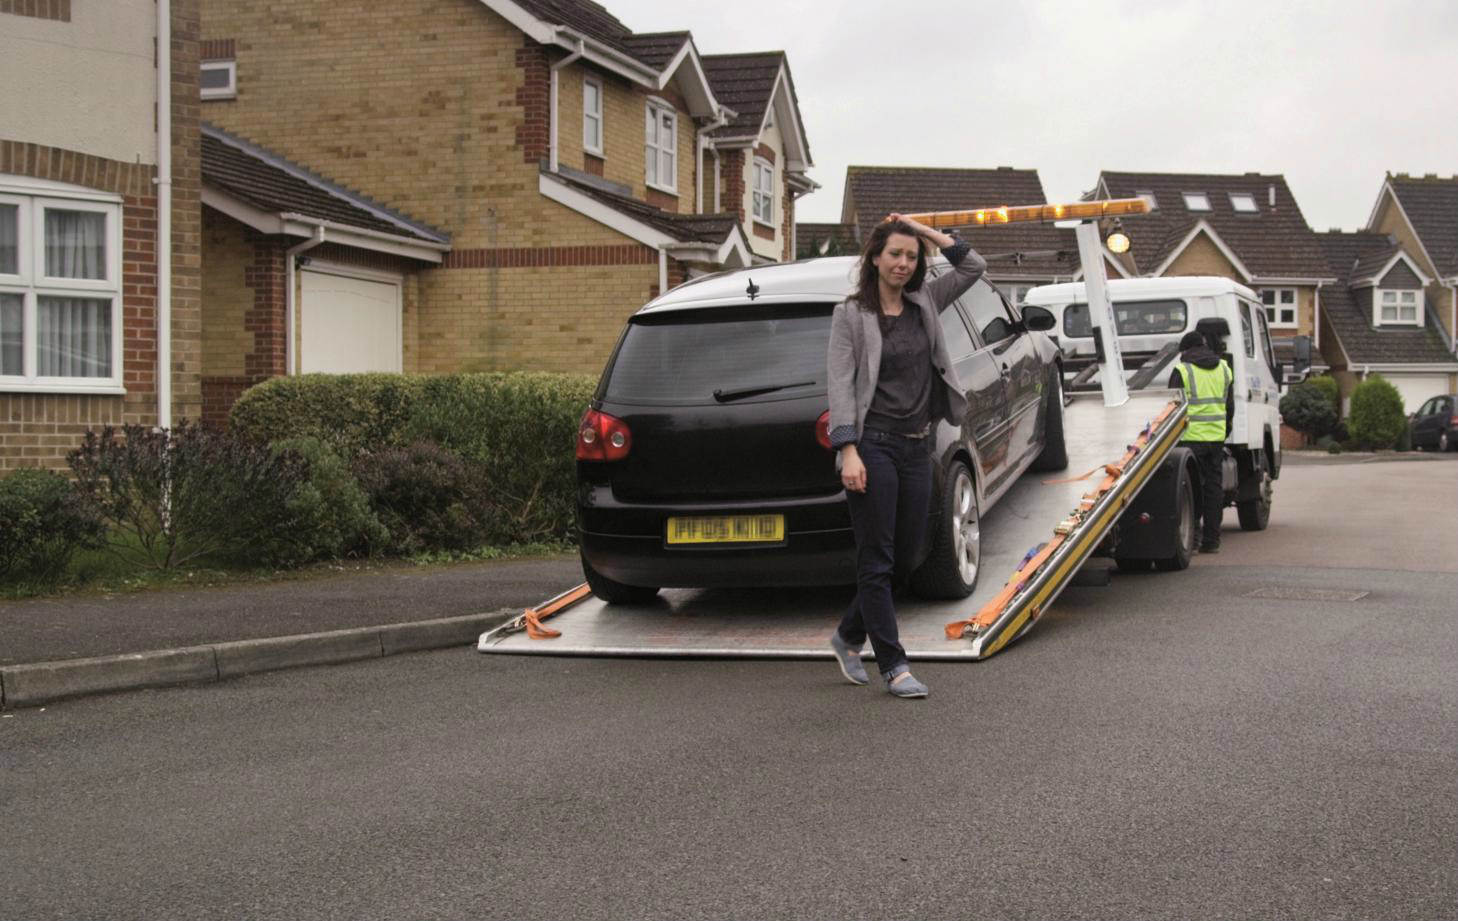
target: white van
1152 314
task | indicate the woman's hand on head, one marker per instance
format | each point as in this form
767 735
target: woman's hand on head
852 470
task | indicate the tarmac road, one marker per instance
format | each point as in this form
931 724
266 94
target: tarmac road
1140 754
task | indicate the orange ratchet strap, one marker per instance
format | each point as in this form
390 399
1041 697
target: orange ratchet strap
532 618
1035 559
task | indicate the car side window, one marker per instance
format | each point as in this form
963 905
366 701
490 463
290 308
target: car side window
989 314
954 328
1444 405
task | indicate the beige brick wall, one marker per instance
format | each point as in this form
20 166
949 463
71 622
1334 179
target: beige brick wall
227 254
1202 257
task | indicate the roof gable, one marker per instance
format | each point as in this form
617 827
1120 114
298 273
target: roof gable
1272 242
1430 205
757 85
1202 229
1351 257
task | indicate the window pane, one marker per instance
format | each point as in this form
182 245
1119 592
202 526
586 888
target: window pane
73 337
652 126
665 168
12 314
666 137
75 244
1139 318
1246 331
589 98
1389 297
652 165
216 77
1288 295
954 330
9 239
989 316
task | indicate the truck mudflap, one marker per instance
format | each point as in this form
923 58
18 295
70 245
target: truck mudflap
1047 568
1062 520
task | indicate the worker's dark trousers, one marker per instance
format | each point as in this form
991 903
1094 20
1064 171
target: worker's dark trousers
889 519
1208 455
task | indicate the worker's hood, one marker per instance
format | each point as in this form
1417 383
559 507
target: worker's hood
1201 357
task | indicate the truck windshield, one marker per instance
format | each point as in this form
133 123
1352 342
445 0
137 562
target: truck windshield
716 355
1138 318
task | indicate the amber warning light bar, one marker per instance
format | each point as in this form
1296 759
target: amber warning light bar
1022 214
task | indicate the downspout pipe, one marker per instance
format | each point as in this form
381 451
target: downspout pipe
164 214
700 142
291 365
1316 320
556 69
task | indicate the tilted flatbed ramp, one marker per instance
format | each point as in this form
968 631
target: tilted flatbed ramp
796 623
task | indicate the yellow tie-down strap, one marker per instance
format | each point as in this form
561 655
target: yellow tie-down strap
1084 528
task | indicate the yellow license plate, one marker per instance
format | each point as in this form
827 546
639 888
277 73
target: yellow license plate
727 529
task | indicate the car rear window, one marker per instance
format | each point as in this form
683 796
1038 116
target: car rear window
1139 318
745 354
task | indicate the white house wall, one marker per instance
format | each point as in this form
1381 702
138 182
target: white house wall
772 249
51 71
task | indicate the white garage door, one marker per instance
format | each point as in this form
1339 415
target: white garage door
348 325
1416 388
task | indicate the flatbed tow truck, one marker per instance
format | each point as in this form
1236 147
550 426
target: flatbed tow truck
1134 502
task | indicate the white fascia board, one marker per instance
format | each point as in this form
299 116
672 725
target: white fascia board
24 185
1396 257
547 33
781 91
513 13
1387 189
737 245
1203 226
697 89
242 212
587 206
302 225
1428 366
1279 280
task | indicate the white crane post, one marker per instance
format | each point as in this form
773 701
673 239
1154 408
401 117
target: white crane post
1101 313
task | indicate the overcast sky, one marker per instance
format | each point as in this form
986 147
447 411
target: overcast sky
1329 94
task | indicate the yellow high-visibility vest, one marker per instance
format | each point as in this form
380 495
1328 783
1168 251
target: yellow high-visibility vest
1205 394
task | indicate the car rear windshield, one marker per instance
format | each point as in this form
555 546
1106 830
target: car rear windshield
1139 318
722 355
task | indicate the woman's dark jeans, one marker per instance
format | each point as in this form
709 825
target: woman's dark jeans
889 520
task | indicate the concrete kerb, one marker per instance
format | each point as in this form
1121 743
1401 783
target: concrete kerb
42 682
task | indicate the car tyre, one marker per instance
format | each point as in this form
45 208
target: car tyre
1055 453
1445 444
1185 530
1255 513
950 570
616 592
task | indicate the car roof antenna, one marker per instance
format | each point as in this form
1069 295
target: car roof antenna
752 290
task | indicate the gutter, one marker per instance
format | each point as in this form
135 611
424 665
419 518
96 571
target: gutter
164 214
290 323
552 105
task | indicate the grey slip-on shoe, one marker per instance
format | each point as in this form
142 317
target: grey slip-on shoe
849 660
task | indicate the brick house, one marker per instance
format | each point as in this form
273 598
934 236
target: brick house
516 178
1019 256
99 325
1246 227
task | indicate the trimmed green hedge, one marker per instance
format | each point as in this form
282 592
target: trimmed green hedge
516 427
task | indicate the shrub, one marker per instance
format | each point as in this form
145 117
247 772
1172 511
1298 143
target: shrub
353 413
1329 388
427 497
42 522
1376 420
1309 411
332 511
172 496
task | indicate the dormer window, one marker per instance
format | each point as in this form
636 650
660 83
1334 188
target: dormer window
1243 203
1148 196
1197 201
1397 307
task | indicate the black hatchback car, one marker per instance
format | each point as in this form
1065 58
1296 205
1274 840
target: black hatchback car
1435 424
704 459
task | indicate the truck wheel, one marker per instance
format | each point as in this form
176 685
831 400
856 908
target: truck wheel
1055 454
950 571
616 592
1185 531
1255 513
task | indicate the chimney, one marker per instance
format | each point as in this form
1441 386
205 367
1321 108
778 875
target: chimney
1271 195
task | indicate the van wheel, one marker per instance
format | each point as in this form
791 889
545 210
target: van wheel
616 592
1255 513
1055 453
950 571
1184 547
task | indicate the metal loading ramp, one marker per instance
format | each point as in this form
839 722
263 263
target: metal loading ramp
796 623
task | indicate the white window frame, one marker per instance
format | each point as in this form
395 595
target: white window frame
1378 295
1243 203
589 116
220 92
1273 310
31 282
1194 200
763 197
656 152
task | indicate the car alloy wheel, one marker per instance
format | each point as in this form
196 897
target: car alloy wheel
966 526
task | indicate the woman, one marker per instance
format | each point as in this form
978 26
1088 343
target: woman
890 383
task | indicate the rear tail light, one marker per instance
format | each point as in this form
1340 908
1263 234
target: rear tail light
1453 421
601 437
822 430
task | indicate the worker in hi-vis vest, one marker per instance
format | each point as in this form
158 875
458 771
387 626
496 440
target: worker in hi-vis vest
1206 380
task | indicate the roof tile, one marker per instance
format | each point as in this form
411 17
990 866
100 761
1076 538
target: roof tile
1431 204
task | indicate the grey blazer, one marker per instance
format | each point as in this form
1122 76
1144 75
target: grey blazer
854 358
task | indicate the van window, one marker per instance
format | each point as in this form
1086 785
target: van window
1139 318
682 357
1264 333
954 328
1245 329
989 315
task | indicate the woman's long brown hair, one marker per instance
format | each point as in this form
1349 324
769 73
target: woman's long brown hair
868 287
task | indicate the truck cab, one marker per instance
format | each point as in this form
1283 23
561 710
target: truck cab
1151 314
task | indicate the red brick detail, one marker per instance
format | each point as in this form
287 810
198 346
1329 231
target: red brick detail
661 200
218 49
731 190
550 256
763 232
218 396
592 164
266 319
58 10
534 97
766 153
677 275
787 225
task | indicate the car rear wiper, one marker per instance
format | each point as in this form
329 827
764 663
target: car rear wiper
724 396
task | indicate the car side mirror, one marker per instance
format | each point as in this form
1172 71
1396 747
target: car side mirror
1038 319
